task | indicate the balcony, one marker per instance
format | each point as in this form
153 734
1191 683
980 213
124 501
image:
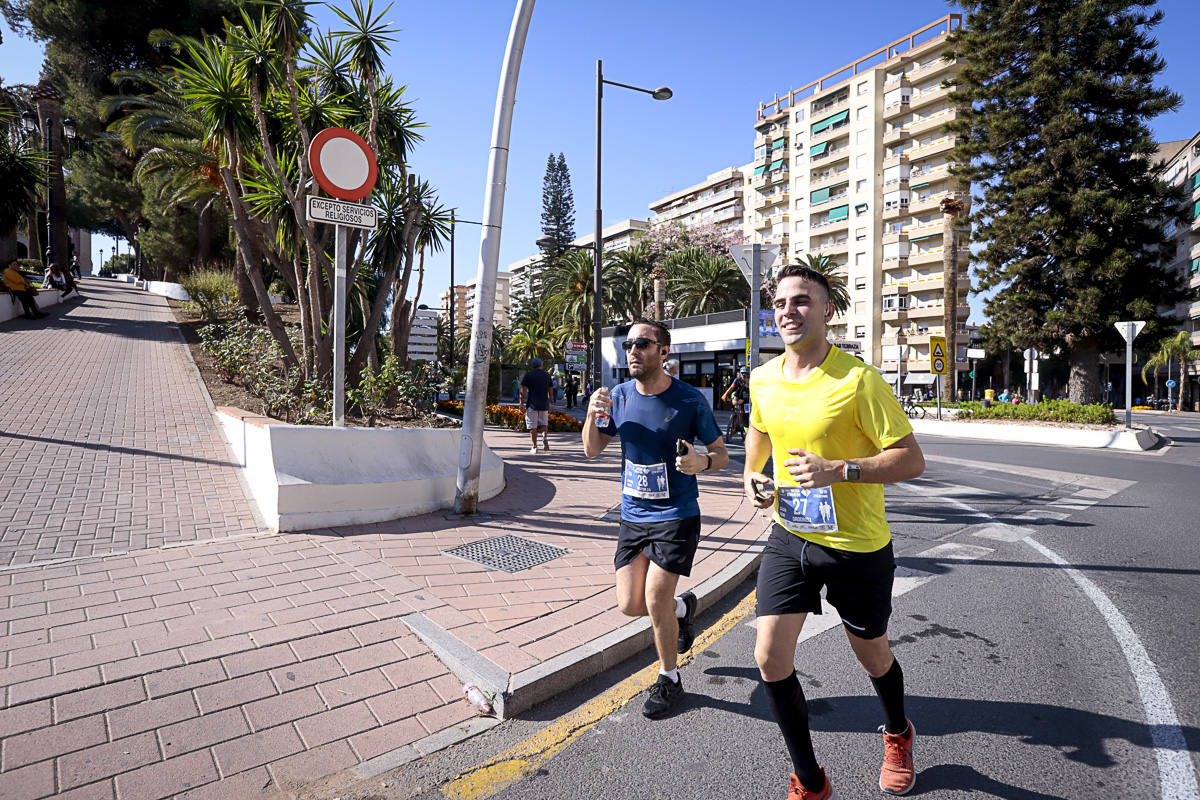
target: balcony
896 159
895 211
833 198
889 264
894 315
962 311
927 310
895 109
832 156
895 135
934 67
828 178
831 133
833 247
726 214
897 82
930 202
816 112
1196 225
932 122
943 144
930 173
769 220
771 199
930 256
889 289
929 96
827 225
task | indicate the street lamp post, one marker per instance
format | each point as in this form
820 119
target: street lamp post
661 93
453 296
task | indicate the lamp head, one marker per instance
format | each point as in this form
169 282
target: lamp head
547 243
69 128
662 93
29 121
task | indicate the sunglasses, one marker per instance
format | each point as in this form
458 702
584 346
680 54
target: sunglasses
641 343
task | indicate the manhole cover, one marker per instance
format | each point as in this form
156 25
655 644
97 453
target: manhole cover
506 553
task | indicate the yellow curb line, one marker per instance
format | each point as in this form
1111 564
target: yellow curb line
526 757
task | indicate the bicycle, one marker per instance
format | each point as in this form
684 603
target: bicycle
735 425
911 408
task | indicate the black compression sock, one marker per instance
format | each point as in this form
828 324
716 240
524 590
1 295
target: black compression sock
787 702
890 688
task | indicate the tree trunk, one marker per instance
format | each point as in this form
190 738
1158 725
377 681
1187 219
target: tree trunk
246 296
1083 385
1007 373
204 236
400 315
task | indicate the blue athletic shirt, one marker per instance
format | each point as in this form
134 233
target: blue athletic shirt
652 490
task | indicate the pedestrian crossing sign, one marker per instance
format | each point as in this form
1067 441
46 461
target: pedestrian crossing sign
937 355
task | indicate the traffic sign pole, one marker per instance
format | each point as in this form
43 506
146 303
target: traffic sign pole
1129 329
339 326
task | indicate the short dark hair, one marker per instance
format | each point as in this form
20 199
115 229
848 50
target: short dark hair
805 274
663 332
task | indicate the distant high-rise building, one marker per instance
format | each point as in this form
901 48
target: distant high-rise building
503 306
461 320
1180 166
853 166
717 200
526 273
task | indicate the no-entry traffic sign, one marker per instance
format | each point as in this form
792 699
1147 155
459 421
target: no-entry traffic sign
342 163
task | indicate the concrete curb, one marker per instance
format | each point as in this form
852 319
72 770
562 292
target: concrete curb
1119 439
513 693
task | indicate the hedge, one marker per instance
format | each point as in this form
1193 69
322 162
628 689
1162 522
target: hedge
512 417
1045 411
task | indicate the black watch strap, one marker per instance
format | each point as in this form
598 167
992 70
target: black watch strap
709 457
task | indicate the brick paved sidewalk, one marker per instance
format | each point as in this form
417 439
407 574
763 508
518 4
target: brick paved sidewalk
106 445
255 665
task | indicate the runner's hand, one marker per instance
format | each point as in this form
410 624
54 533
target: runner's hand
692 463
748 479
810 471
601 401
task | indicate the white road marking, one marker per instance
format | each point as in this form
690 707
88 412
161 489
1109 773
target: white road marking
1176 774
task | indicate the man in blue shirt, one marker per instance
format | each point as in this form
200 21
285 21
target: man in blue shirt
535 397
660 510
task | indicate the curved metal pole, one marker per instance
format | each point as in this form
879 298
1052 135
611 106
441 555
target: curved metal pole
470 451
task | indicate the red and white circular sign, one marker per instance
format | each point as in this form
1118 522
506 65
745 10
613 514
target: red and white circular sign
342 163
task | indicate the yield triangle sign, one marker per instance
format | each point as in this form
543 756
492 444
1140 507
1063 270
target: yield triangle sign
938 350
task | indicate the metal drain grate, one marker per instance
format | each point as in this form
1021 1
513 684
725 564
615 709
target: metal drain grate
506 553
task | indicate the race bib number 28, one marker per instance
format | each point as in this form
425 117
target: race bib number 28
647 481
807 510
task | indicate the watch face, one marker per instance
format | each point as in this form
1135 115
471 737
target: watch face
853 472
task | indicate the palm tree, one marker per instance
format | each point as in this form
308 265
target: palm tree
568 289
701 283
628 276
836 275
533 340
22 171
1177 347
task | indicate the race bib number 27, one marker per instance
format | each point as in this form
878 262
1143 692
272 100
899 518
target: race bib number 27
647 481
807 510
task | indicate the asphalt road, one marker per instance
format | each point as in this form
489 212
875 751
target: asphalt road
1026 679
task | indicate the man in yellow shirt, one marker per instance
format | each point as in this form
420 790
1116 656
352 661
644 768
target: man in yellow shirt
836 435
20 288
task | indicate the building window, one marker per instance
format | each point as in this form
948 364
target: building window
861 162
860 331
859 234
859 258
860 185
864 87
800 115
860 209
859 283
862 112
861 136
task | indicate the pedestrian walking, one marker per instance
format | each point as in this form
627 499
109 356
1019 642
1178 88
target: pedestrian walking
658 418
20 287
535 398
572 390
836 434
671 366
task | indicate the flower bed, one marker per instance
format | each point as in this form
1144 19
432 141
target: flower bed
512 417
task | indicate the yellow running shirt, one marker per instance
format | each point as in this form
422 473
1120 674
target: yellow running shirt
841 410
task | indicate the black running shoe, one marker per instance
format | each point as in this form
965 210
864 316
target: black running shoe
664 696
686 634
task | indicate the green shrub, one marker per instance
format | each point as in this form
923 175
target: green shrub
210 288
1046 411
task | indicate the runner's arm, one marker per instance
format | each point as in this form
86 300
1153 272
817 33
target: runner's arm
693 463
758 450
594 441
901 461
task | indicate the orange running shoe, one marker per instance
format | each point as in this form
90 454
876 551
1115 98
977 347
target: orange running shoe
898 776
796 790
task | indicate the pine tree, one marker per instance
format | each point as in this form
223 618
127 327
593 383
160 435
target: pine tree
1054 100
558 204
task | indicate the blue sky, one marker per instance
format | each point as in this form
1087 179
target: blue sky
720 66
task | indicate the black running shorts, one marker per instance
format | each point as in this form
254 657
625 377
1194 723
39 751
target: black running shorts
859 585
671 544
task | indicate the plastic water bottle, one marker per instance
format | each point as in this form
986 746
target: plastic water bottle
476 697
601 420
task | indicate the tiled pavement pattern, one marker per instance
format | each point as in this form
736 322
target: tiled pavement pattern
106 445
256 665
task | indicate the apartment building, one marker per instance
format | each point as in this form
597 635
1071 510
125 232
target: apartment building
503 307
1180 166
853 166
526 273
717 200
461 319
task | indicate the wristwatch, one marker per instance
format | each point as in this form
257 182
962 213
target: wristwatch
709 466
851 472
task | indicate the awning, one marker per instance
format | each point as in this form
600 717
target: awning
920 379
778 143
1196 264
819 196
1196 180
833 97
841 212
759 170
919 185
776 164
923 238
841 116
818 149
1196 209
861 207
